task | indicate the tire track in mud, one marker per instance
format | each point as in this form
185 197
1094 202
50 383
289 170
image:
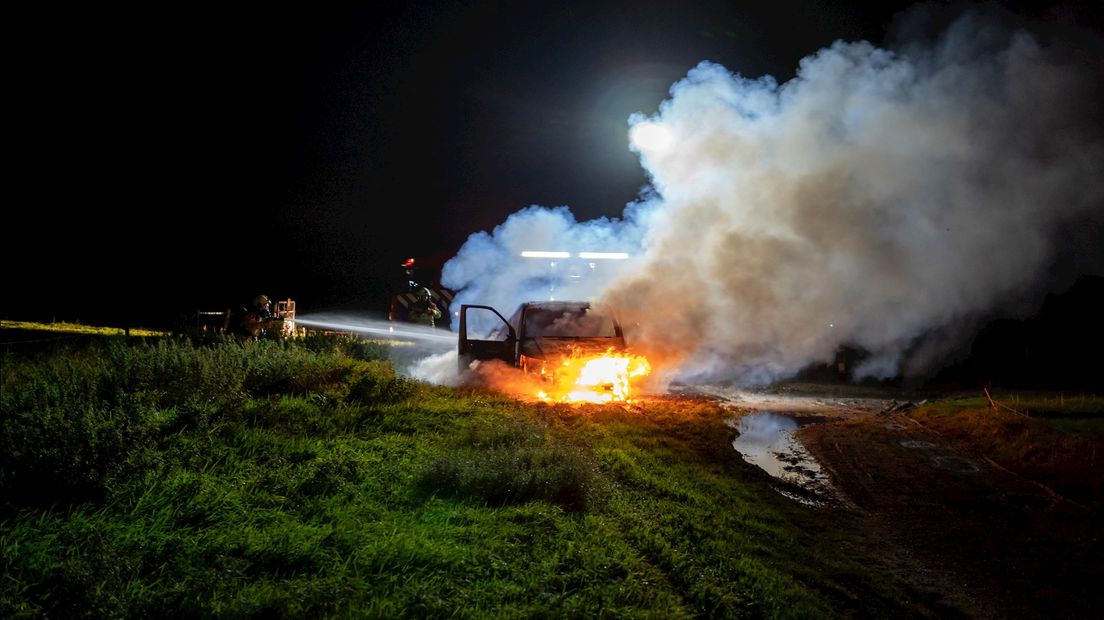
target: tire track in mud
945 519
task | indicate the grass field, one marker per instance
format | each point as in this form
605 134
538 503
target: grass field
164 479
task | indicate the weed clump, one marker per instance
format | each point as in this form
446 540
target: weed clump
375 382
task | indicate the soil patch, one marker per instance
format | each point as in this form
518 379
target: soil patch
987 541
944 519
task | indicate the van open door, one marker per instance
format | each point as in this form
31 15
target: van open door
492 337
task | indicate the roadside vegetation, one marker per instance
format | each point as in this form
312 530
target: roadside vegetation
78 328
164 478
1054 438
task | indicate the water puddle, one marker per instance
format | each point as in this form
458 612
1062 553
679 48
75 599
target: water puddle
767 441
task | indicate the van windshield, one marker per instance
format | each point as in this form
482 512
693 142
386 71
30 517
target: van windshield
568 323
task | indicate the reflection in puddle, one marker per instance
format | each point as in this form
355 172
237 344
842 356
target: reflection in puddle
763 438
767 441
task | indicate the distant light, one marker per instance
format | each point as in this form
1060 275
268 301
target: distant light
534 254
604 255
651 136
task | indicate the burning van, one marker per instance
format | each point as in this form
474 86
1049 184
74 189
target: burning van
577 349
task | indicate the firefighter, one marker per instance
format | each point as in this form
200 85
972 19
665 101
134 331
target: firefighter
425 311
255 318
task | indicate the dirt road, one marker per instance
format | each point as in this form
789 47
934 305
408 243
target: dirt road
991 543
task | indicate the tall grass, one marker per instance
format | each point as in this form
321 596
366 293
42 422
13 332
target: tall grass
74 422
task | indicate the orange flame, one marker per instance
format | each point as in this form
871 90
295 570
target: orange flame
598 379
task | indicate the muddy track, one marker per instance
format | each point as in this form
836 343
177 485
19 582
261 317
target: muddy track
995 544
947 521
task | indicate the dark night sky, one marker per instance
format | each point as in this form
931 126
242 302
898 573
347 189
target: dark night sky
180 157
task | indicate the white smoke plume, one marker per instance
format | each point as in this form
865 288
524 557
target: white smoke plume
490 269
439 368
881 200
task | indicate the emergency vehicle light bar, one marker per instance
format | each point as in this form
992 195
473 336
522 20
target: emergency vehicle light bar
587 255
605 255
532 254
